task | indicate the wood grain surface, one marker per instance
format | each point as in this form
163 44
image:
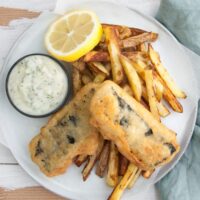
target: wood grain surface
32 193
8 14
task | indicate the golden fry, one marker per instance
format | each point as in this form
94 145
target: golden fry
91 161
121 29
162 109
76 80
168 96
88 167
144 93
142 47
145 104
139 39
86 79
96 56
113 165
136 55
114 51
151 94
103 160
99 78
134 179
155 58
132 76
147 174
108 66
140 68
158 89
79 65
99 67
123 165
80 160
122 185
125 32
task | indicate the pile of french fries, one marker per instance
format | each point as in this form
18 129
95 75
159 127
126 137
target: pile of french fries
126 56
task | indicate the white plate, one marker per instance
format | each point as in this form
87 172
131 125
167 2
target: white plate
19 130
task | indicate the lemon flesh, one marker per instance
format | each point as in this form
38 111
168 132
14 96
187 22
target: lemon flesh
73 35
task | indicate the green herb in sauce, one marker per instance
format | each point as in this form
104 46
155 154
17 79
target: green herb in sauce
37 85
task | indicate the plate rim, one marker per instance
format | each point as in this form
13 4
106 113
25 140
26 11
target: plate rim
46 185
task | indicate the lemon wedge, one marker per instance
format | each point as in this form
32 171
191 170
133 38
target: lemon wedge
73 35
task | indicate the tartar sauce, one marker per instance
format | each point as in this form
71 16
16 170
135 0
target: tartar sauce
37 85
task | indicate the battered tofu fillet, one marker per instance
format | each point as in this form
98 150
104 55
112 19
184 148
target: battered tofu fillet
67 134
138 135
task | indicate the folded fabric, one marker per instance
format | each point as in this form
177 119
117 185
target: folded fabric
181 17
183 182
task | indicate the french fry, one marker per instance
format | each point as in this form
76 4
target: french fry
125 32
123 165
113 165
108 66
102 46
152 100
114 51
121 29
86 79
168 96
98 67
96 56
145 104
79 65
88 72
140 68
139 39
144 93
76 80
158 89
103 56
91 161
88 167
142 47
132 76
162 109
151 94
155 58
103 160
134 179
158 86
80 160
137 31
99 78
147 174
135 55
122 185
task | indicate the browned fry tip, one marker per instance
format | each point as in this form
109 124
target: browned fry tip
123 164
80 160
103 160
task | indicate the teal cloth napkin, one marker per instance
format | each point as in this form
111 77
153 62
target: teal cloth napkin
182 18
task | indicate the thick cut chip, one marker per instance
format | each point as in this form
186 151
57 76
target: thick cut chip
155 58
114 51
132 76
